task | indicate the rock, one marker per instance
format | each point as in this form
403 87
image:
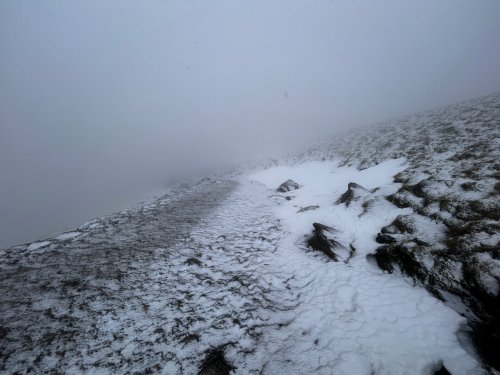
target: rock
354 191
191 337
215 364
385 238
429 188
419 242
193 261
442 371
287 186
329 246
402 224
323 227
308 208
319 241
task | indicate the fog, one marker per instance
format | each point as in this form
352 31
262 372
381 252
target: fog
102 102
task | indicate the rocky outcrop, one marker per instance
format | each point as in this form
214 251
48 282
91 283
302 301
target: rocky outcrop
383 238
450 253
321 239
354 192
451 177
215 364
287 186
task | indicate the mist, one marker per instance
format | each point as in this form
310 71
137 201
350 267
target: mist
102 103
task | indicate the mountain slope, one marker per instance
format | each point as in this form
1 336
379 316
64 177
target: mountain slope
230 275
452 179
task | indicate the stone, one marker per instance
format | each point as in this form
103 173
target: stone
354 191
287 186
308 208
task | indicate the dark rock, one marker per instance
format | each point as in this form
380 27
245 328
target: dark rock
353 192
387 229
486 337
189 338
383 238
193 261
319 241
469 186
287 186
419 242
215 364
419 189
442 371
400 178
429 189
288 198
353 185
402 224
399 200
323 227
308 208
367 205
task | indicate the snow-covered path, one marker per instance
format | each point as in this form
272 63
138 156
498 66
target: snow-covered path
147 290
223 265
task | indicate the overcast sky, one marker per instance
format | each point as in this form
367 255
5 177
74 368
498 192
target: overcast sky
103 101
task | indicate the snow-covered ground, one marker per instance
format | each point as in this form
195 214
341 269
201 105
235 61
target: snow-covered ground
353 318
244 280
219 274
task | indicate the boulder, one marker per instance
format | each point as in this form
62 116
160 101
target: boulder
287 186
354 191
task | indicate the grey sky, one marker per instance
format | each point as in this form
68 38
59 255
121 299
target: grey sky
102 101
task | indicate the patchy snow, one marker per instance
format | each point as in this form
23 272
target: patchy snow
223 263
239 278
68 236
37 245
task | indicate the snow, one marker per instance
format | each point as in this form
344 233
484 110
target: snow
37 245
123 296
323 183
68 236
276 306
353 318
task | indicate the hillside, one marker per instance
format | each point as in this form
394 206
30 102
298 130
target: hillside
451 186
380 256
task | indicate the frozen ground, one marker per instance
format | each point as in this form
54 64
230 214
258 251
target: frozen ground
221 268
353 318
131 295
